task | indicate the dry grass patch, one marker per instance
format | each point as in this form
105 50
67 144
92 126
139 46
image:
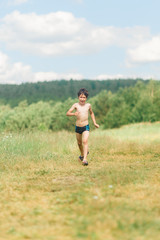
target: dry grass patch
47 194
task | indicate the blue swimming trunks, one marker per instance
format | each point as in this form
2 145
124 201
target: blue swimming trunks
80 130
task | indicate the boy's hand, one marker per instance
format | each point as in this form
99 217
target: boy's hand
76 113
96 125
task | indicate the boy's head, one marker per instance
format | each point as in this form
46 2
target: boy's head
83 91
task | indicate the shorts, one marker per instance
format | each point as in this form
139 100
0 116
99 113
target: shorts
80 130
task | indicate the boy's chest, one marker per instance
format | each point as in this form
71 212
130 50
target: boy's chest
83 109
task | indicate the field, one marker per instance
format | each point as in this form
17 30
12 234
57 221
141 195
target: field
46 194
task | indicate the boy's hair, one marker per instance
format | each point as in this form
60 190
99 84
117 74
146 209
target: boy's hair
83 91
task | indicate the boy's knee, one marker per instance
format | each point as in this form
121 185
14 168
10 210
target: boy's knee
85 141
79 143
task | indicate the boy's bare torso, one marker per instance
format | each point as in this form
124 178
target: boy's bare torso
82 117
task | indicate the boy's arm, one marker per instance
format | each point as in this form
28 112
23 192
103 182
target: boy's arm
93 117
69 113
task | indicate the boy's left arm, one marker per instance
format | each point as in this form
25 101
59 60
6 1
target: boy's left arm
93 117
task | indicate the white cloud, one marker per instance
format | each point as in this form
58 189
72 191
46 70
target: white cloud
107 76
16 73
13 73
148 51
61 33
123 76
49 76
17 2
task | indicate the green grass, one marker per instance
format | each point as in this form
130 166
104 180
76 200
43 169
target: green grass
142 132
47 194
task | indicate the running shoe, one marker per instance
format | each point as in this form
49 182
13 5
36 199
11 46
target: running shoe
84 163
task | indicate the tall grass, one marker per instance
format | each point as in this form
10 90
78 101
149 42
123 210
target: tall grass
47 194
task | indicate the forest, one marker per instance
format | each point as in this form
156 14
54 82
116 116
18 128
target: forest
57 90
133 103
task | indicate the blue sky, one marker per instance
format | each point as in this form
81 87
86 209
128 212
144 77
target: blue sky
79 39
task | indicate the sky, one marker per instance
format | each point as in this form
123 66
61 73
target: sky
79 39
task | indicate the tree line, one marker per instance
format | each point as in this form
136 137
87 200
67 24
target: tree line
13 94
138 103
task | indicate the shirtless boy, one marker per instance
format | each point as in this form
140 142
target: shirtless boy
82 126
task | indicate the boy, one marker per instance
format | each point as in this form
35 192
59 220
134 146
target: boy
82 126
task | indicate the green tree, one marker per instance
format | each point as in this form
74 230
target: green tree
119 113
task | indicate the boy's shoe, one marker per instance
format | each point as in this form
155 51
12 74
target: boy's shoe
84 163
81 158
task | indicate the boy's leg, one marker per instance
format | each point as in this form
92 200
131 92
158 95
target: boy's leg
85 144
79 142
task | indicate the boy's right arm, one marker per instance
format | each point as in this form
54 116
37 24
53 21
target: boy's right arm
69 113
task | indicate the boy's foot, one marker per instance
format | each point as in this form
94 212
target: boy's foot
81 158
84 163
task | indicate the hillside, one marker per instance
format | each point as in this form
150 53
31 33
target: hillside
139 103
57 90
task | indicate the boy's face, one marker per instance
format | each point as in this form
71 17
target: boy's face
82 99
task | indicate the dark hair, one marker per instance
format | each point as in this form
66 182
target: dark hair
83 91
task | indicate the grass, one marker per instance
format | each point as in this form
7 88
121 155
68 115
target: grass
46 193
